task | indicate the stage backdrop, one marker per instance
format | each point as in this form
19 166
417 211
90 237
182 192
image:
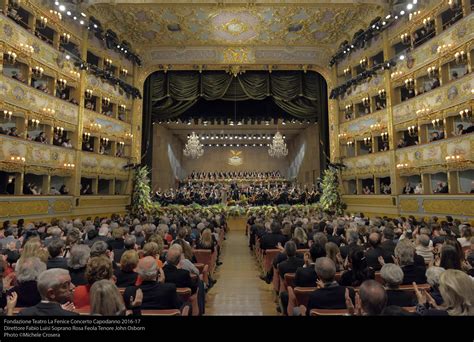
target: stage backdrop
169 164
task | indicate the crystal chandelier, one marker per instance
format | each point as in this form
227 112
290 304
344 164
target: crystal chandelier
193 148
278 147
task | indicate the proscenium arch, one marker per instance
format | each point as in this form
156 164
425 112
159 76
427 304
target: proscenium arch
147 125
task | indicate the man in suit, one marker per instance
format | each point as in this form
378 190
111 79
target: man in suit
55 288
387 245
405 253
270 241
56 250
329 295
306 276
291 264
175 275
157 295
375 251
393 276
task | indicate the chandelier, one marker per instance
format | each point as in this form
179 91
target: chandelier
193 148
278 147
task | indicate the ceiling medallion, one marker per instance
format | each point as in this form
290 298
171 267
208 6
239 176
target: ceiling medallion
235 27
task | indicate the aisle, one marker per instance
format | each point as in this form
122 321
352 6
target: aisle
238 290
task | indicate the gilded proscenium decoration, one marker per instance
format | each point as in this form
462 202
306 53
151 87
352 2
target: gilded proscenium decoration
147 25
237 56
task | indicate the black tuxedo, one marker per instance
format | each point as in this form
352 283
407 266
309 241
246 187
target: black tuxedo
400 298
179 277
156 296
290 265
306 277
58 262
388 247
270 241
46 309
413 273
329 297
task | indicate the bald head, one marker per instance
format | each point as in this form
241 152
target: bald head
374 239
325 269
373 297
147 268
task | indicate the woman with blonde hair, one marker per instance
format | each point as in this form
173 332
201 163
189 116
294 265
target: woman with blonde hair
106 300
332 252
300 238
457 290
32 249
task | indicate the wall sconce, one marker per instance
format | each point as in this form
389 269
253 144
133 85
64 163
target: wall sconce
444 47
69 166
454 158
363 63
412 130
375 127
402 166
11 57
123 72
104 140
106 101
96 126
129 135
60 130
406 39
348 109
428 23
366 102
396 74
436 122
17 159
65 38
382 94
35 122
347 71
350 143
86 136
454 4
88 94
61 83
460 57
7 114
367 141
15 4
384 136
25 48
410 84
75 73
432 72
465 113
342 135
57 14
122 108
42 22
37 71
48 111
121 144
108 63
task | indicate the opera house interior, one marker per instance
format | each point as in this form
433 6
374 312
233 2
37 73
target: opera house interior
244 158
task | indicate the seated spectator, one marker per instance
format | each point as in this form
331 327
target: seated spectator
393 276
373 299
179 277
433 274
423 248
405 254
106 300
366 190
57 141
384 147
401 143
156 294
418 189
435 136
456 289
13 132
305 276
329 295
408 189
67 143
77 262
97 268
442 188
126 275
17 75
64 190
358 270
454 75
55 288
435 83
41 138
26 288
54 191
56 251
459 130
